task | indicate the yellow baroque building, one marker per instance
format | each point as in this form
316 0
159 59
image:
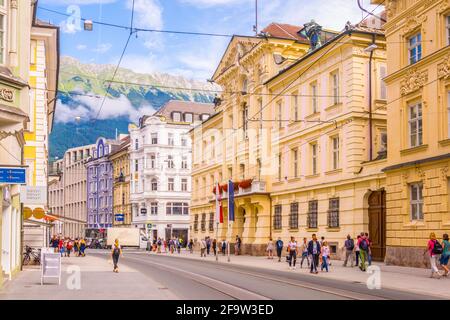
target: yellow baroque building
297 146
418 84
121 190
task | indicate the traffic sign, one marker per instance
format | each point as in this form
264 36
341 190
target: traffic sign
12 175
119 217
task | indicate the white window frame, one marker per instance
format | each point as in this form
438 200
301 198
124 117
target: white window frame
184 184
335 151
314 157
417 45
418 121
170 139
4 27
314 102
170 184
295 161
416 205
335 87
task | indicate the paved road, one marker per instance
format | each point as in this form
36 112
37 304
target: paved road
205 280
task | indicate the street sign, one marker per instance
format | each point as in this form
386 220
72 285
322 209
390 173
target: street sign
12 175
119 217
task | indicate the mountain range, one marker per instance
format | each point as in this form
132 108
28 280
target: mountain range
89 105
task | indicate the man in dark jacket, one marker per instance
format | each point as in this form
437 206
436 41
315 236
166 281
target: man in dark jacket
279 245
314 251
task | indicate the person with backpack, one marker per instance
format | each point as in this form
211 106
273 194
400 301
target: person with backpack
69 247
116 253
445 256
434 248
349 246
369 251
279 244
363 245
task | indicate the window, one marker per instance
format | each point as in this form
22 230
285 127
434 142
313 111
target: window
154 184
314 98
293 216
184 184
2 34
211 221
335 87
170 184
176 117
170 163
203 223
415 125
295 162
177 208
448 114
312 214
335 152
242 170
333 213
314 158
152 161
415 48
277 217
154 208
295 106
154 137
213 147
204 117
136 165
383 90
280 114
184 164
279 167
136 144
170 139
196 222
188 117
245 120
416 201
183 142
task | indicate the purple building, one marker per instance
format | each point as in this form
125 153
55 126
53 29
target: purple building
100 187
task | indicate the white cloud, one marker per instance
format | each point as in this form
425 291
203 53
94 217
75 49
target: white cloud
81 47
76 2
111 108
103 48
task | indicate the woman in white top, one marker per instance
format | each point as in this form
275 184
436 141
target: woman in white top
292 249
325 252
270 249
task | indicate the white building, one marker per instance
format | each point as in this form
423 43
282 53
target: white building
160 156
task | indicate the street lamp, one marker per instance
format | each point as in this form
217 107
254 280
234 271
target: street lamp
88 25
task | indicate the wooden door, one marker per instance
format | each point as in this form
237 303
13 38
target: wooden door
377 224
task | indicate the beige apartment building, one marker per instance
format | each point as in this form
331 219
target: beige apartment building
418 86
300 151
67 192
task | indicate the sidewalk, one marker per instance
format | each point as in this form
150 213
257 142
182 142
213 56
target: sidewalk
392 277
97 282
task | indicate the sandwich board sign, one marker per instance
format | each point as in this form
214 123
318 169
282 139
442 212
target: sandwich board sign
51 266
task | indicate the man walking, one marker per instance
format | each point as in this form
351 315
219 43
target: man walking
363 251
208 245
349 247
293 251
314 251
279 245
237 246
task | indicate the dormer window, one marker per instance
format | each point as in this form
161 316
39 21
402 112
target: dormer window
204 117
176 116
188 117
244 86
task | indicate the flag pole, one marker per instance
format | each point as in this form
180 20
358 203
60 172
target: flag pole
217 240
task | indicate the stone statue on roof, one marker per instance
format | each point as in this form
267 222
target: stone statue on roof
312 30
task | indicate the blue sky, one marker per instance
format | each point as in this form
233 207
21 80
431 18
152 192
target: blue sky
189 56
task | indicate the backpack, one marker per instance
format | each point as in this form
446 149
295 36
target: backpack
351 244
437 249
116 251
363 245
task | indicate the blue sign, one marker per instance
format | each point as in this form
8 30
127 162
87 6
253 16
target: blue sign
13 175
119 217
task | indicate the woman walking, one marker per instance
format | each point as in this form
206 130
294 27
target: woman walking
432 248
270 249
116 253
325 252
445 254
293 251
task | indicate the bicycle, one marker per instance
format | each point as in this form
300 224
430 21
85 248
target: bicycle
31 254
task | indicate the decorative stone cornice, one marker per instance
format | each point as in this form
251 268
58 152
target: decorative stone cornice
13 4
391 8
413 22
444 171
444 68
444 6
413 80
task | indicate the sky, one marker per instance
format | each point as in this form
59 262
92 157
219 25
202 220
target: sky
186 55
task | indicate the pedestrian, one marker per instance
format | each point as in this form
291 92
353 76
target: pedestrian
159 244
61 246
445 256
325 253
357 250
314 252
305 255
224 246
208 245
178 246
76 247
293 251
116 253
203 248
322 239
191 246
69 247
82 247
369 251
349 246
269 249
237 246
214 245
434 248
363 245
279 245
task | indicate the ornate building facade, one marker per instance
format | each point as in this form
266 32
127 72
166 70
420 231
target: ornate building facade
418 85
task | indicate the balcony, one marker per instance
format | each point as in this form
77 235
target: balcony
254 188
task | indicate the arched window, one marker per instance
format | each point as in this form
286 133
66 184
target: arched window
100 150
154 184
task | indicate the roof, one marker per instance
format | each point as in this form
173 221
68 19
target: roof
285 31
124 144
197 108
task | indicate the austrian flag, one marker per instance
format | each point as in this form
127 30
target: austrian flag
219 211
